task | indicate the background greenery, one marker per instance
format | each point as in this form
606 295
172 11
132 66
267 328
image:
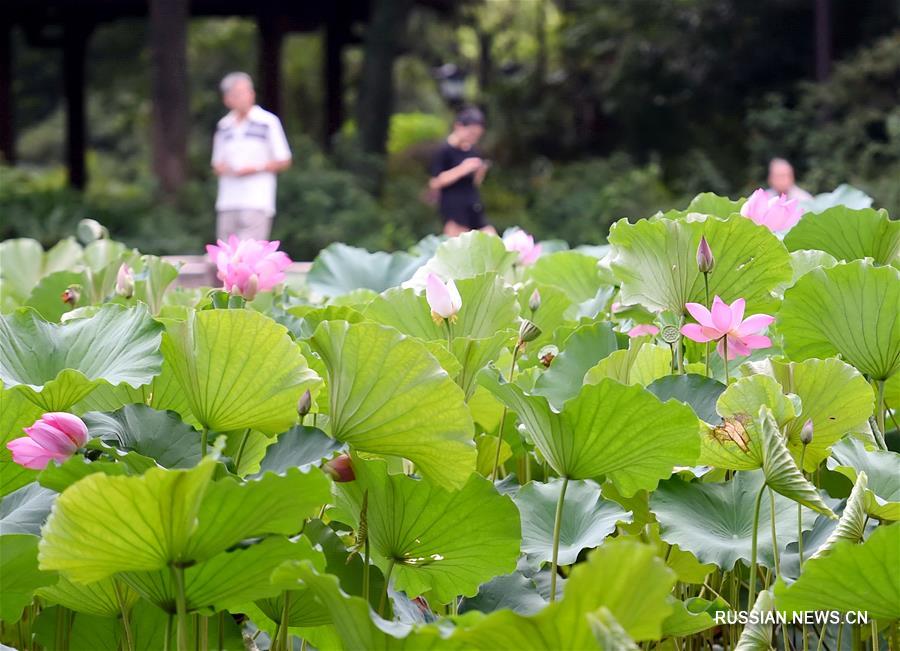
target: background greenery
597 110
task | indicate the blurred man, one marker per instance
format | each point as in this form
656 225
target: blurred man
249 149
781 181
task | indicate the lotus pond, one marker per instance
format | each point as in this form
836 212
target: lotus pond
683 439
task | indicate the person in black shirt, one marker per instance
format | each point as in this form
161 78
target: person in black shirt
456 172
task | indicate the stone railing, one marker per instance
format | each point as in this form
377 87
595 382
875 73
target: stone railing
198 271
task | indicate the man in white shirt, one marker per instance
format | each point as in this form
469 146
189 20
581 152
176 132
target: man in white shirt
249 149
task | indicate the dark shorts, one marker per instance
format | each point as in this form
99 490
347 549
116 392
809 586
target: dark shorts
471 216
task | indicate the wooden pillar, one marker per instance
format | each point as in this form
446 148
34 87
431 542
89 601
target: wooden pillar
7 136
168 45
271 37
75 38
334 80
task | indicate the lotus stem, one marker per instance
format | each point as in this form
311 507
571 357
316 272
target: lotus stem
800 524
725 357
240 452
180 606
449 334
285 611
557 525
126 624
203 628
774 535
204 434
512 370
874 634
751 599
366 570
387 582
167 641
879 410
706 286
221 630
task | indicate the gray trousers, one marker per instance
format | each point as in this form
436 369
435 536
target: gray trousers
246 224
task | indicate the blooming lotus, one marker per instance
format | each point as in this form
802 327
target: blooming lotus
54 436
775 213
443 299
643 329
248 266
726 324
522 243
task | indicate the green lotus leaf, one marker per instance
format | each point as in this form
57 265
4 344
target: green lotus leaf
299 447
23 511
804 261
587 345
238 369
780 469
98 598
692 616
577 274
13 476
302 320
303 608
882 467
715 521
340 269
757 634
608 632
152 278
514 592
16 413
103 525
848 234
21 576
656 262
226 579
356 625
58 477
587 519
115 346
388 395
852 523
699 392
414 526
23 263
467 255
607 579
739 405
552 314
84 631
610 429
641 363
850 578
46 297
160 435
709 203
850 310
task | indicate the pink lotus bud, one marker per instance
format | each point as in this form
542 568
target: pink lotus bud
125 281
444 300
806 434
54 436
304 404
340 468
534 302
705 259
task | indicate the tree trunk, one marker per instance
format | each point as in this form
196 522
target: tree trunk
75 39
334 81
271 38
168 44
384 36
7 138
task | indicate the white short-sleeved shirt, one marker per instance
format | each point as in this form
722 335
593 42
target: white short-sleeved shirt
254 141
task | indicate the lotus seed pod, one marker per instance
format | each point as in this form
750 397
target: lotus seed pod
528 331
670 334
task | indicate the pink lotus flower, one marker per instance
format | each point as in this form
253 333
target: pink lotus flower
248 266
727 323
643 329
340 468
522 243
775 213
443 299
54 436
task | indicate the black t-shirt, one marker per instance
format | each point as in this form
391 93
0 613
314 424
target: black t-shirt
460 201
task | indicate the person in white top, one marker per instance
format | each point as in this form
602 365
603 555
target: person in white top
782 181
249 149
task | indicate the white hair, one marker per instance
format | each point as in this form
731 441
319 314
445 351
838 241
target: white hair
229 80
